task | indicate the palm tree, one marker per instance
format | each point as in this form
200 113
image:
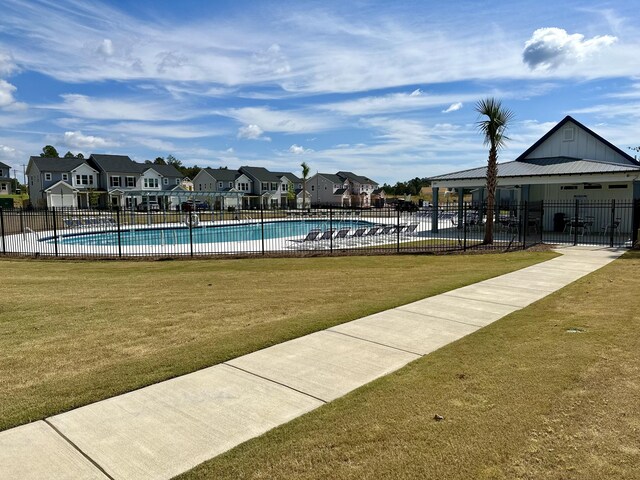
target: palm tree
493 128
305 174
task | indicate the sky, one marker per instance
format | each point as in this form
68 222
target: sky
383 89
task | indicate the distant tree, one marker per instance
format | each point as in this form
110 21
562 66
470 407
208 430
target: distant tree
305 175
492 127
69 155
635 149
49 151
79 155
148 162
159 161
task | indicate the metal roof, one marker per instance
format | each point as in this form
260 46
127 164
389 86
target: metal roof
536 167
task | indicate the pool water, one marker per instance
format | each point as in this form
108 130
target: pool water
207 234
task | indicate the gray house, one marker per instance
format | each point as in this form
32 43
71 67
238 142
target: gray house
62 182
343 189
291 190
225 188
5 179
266 187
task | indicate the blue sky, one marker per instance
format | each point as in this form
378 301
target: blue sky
385 89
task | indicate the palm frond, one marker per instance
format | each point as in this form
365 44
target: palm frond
494 125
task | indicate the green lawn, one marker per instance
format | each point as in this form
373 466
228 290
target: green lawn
75 332
521 399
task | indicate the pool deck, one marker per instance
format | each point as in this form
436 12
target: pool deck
162 430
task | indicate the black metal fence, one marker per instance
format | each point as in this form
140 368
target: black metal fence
452 227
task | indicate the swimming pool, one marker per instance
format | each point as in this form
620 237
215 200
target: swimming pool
205 233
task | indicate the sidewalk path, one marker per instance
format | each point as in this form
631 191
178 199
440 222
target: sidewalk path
162 430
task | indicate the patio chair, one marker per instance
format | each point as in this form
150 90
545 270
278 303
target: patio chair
311 236
358 233
611 228
386 230
411 229
372 231
70 222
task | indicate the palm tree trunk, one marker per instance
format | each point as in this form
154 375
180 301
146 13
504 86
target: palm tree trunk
492 183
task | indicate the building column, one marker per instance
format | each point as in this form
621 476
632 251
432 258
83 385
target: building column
524 193
434 209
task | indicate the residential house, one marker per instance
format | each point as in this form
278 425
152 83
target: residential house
5 179
344 189
226 187
266 187
62 182
291 188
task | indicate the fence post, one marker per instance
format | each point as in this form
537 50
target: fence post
191 232
525 225
398 230
331 229
55 230
21 220
4 247
575 223
464 225
119 237
635 221
613 219
262 224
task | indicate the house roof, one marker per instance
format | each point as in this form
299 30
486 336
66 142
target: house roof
260 173
4 165
61 184
54 164
542 167
340 191
290 176
377 191
117 163
562 122
357 178
223 174
332 178
164 170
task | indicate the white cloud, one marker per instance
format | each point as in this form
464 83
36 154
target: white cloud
453 107
549 48
121 108
252 132
299 149
6 93
86 142
106 48
7 65
283 121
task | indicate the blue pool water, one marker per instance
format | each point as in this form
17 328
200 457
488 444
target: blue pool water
206 234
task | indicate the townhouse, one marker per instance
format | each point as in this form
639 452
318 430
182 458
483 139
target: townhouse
5 179
344 189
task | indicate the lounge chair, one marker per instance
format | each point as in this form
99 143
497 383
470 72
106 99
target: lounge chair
311 236
410 229
372 231
327 234
386 230
359 232
342 233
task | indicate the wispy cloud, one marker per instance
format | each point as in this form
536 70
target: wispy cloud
453 107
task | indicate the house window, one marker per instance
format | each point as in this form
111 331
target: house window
84 180
150 183
47 177
568 134
593 186
114 181
230 184
274 186
568 187
313 187
265 186
65 177
131 182
177 181
165 181
220 185
620 185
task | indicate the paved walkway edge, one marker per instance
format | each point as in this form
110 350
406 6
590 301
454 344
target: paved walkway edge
165 429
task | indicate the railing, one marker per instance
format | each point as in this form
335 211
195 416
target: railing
318 231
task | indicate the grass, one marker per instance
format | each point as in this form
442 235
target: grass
522 398
74 332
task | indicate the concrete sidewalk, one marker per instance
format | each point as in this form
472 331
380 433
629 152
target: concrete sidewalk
165 429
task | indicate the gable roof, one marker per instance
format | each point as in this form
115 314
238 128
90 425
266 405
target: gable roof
54 164
562 122
260 173
164 170
222 174
542 167
61 184
356 178
117 163
289 176
332 178
4 165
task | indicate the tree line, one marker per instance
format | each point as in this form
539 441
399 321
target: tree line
410 187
